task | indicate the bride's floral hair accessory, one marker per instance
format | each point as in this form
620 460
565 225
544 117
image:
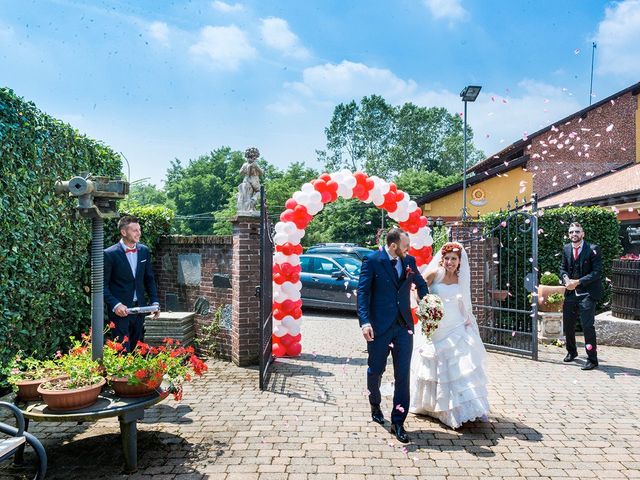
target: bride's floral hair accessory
451 247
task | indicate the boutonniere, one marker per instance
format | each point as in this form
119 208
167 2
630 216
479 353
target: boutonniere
408 271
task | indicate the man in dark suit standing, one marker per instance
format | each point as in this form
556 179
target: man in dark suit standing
581 272
384 312
127 274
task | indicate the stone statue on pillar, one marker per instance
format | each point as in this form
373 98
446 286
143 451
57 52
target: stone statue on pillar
249 189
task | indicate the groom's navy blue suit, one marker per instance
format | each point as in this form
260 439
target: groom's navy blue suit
121 286
384 303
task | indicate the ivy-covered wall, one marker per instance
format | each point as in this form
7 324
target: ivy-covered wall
44 249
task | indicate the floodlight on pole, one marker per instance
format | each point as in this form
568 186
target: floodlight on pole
468 94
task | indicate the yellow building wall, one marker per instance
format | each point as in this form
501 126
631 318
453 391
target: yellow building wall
496 193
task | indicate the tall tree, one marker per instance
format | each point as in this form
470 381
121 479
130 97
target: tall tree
383 140
420 182
203 187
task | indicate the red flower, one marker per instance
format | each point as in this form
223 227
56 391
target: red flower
168 341
112 325
142 374
199 367
125 339
144 348
177 395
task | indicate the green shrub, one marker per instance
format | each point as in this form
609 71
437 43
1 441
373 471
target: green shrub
44 248
548 278
155 221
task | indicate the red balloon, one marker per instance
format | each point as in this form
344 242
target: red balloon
326 177
297 313
286 340
278 350
297 337
291 204
294 349
423 221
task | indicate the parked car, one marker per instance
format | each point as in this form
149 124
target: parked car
329 282
337 249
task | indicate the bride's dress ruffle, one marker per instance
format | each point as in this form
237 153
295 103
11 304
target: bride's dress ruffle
448 378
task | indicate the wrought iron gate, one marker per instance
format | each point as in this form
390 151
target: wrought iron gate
505 282
265 291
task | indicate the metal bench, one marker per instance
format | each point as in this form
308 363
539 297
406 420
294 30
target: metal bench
18 437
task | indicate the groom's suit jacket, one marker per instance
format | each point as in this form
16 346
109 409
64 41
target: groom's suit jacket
119 282
587 268
382 296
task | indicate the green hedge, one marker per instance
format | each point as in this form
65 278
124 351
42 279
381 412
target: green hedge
600 225
155 221
44 249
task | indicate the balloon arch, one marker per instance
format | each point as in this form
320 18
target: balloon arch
300 210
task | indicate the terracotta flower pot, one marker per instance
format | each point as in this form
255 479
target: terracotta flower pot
122 388
543 293
500 295
73 399
28 389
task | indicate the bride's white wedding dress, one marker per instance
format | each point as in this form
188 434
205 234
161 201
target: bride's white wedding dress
448 380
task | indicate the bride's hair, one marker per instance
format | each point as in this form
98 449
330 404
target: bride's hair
451 247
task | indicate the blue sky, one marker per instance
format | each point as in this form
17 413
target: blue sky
158 80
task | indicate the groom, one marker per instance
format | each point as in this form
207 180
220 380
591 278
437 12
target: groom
384 313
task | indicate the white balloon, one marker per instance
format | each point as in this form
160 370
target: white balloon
307 188
412 206
279 296
315 208
294 329
402 215
301 198
315 197
288 322
289 227
279 258
279 330
280 238
290 288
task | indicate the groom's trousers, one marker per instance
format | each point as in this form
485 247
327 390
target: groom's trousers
399 342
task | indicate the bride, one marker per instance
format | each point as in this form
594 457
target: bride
448 380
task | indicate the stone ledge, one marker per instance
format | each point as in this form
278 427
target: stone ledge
611 330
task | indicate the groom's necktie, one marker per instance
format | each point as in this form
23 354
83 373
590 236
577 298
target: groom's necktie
394 262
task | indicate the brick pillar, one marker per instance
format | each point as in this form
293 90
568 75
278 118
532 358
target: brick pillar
245 277
479 252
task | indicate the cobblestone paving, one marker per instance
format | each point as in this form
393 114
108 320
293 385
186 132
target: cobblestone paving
549 420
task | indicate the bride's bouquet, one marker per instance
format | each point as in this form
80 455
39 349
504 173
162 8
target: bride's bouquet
430 311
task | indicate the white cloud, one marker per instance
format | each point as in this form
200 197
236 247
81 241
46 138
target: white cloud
447 10
349 80
277 34
159 31
223 47
226 7
618 38
497 120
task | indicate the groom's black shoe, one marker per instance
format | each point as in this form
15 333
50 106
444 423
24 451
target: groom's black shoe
400 433
570 357
376 414
589 365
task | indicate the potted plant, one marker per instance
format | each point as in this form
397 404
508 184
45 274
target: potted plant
83 383
25 374
550 293
142 371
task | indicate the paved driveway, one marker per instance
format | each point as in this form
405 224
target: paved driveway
549 420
